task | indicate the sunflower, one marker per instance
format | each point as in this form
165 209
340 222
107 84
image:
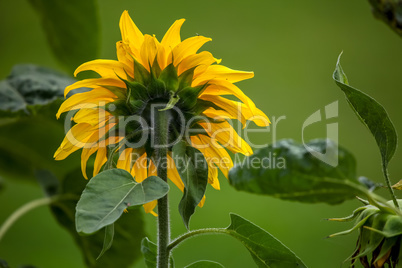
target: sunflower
149 72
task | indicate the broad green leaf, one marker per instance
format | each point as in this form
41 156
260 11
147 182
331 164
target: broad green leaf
30 90
109 193
72 29
371 114
129 229
266 250
108 241
149 251
193 170
205 264
289 171
30 97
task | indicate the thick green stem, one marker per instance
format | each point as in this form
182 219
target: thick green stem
22 211
188 235
161 131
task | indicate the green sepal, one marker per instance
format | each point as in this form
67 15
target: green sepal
186 78
355 213
172 102
189 96
202 105
169 77
156 69
386 247
193 170
118 108
121 93
138 91
157 88
108 240
141 74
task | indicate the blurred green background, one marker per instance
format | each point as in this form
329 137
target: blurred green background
292 46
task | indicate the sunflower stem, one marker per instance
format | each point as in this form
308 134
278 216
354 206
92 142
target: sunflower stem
161 131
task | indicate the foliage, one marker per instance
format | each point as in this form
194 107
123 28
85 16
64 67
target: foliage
76 41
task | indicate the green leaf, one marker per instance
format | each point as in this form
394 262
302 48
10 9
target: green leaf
205 264
266 250
30 90
371 114
30 97
289 171
149 251
108 241
193 170
109 193
71 29
129 229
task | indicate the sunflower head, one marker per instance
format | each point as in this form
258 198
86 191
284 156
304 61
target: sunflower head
380 236
114 119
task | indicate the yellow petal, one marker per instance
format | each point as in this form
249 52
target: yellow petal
130 33
140 168
148 51
235 110
223 73
173 174
202 59
186 48
124 56
95 82
86 153
201 204
124 161
211 157
223 87
227 136
219 156
92 116
105 68
172 36
149 207
213 176
75 139
89 99
152 169
100 159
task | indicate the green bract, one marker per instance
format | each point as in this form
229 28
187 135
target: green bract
380 234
